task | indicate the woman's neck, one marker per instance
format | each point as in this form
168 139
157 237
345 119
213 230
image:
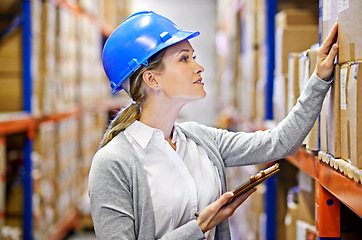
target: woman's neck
160 116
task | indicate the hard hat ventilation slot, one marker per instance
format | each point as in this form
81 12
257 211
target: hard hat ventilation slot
132 64
165 36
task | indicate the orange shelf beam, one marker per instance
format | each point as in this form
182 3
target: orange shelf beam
343 188
18 123
346 190
60 116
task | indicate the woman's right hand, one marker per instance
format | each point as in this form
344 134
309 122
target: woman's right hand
326 54
215 213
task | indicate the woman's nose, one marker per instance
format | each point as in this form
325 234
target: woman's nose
199 68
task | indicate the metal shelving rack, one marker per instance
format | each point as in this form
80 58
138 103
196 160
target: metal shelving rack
332 187
23 122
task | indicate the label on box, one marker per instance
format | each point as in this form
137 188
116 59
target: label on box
343 77
343 5
305 182
326 10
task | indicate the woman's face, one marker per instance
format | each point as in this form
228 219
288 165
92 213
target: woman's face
180 78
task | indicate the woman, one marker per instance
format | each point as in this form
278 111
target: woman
151 175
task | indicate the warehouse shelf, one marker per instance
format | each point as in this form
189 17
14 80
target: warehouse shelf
23 121
15 122
59 116
343 188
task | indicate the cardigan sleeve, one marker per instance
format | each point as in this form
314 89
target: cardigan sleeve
284 140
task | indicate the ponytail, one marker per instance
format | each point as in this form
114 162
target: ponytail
137 92
123 119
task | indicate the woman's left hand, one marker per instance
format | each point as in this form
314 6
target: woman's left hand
326 54
216 212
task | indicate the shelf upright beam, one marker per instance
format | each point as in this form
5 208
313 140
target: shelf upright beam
270 204
270 196
328 212
271 10
27 91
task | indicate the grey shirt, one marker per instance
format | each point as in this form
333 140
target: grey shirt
120 196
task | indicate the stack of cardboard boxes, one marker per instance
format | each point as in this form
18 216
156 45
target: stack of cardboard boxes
63 151
92 82
248 60
67 60
10 60
67 77
296 56
261 62
296 31
44 180
67 159
299 220
11 89
341 118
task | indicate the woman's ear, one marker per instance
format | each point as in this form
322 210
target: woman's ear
150 80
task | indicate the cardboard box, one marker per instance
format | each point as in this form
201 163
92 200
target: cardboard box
280 99
306 231
306 198
307 64
292 39
294 33
289 17
328 17
351 113
293 80
11 53
260 85
292 213
349 30
330 121
10 7
290 222
11 93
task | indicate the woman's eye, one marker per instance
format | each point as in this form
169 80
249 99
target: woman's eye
184 58
194 57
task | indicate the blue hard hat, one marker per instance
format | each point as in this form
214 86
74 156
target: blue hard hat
134 41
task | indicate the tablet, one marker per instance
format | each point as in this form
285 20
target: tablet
254 181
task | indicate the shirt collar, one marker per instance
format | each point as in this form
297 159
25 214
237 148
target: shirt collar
143 133
140 132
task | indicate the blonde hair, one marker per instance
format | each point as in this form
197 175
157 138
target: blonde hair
137 92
